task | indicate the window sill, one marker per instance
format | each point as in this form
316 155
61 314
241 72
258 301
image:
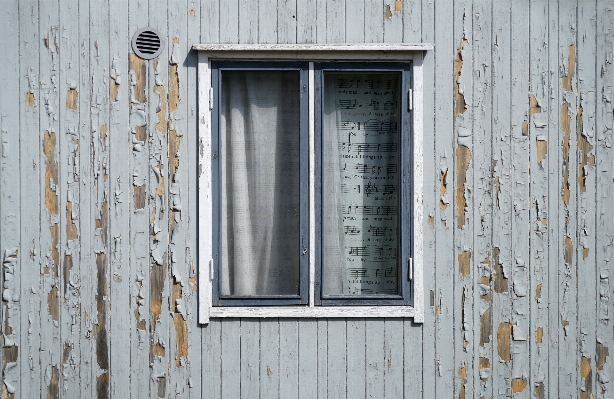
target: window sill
314 312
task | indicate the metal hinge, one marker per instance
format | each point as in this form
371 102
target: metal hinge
410 100
210 98
410 267
211 269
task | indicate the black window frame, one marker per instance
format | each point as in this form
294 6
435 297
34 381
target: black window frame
406 204
405 297
216 80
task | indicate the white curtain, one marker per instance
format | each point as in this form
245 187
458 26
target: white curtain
259 127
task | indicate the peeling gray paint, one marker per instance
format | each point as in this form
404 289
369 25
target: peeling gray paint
529 107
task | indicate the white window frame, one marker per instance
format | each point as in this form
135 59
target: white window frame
367 53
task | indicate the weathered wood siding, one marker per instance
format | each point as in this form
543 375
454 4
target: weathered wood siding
98 193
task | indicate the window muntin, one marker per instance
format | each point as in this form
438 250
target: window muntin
363 140
261 224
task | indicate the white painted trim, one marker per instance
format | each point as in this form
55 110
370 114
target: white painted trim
366 53
205 197
399 47
418 253
312 190
314 312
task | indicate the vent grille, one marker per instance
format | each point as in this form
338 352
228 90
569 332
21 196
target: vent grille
147 43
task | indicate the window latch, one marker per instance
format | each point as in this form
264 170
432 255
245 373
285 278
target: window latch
211 269
410 99
210 98
410 269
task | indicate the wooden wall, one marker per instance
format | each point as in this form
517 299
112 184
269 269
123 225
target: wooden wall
98 193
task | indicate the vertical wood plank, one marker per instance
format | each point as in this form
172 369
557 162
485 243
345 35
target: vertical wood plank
182 277
415 20
269 358
538 208
161 379
210 21
85 203
586 180
520 207
393 358
374 358
248 24
604 194
482 206
288 359
335 21
140 299
286 21
119 204
355 21
10 203
211 364
98 284
445 93
374 25
322 358
29 176
320 25
393 21
355 358
567 259
70 192
500 281
267 21
464 166
50 197
229 21
337 342
555 167
308 359
231 358
306 21
419 353
250 357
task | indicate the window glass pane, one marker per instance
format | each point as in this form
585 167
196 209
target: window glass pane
361 171
259 140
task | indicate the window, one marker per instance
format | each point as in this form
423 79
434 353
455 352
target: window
310 182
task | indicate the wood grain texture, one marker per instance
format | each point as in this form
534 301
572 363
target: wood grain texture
569 375
138 184
443 216
119 206
163 299
520 151
50 197
554 201
604 194
10 199
586 182
463 209
69 213
539 166
502 198
483 204
30 215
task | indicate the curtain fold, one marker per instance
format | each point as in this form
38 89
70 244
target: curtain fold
259 126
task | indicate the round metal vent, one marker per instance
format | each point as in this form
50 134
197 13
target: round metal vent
147 43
